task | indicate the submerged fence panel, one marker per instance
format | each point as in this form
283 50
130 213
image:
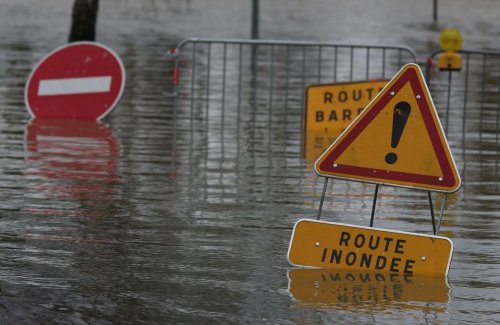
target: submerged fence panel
468 102
239 105
253 91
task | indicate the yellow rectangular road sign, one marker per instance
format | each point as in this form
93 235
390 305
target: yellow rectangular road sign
346 247
330 108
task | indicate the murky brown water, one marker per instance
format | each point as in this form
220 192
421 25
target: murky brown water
131 222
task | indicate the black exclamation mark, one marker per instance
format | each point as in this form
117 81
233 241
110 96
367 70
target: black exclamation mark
401 114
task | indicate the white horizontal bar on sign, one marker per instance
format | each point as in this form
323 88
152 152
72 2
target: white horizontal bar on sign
72 86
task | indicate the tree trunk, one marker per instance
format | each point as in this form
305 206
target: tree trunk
83 20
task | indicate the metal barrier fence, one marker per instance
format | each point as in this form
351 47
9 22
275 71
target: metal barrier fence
468 102
238 105
250 93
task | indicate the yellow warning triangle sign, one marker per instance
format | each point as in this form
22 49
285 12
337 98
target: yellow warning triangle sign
397 140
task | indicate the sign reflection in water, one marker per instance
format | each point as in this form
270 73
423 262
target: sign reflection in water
73 165
356 291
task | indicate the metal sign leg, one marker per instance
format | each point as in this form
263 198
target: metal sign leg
441 214
322 199
448 105
432 212
374 204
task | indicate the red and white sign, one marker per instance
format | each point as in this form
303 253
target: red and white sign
82 80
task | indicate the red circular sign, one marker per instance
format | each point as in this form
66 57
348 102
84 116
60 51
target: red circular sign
82 80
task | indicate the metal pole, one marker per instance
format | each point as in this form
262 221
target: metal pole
432 212
374 204
466 88
441 214
435 10
322 199
255 19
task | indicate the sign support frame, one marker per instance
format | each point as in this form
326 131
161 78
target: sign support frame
432 212
435 229
322 199
374 204
441 214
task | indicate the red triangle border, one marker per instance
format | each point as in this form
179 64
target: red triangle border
448 180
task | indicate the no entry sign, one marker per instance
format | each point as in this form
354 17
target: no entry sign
82 80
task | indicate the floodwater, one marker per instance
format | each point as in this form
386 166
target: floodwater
130 222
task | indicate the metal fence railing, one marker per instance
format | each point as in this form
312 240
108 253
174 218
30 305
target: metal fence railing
251 92
469 102
238 105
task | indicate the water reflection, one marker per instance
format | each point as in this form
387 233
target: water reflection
74 163
362 291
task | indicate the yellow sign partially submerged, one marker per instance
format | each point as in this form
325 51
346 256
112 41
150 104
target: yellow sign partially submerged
340 246
330 108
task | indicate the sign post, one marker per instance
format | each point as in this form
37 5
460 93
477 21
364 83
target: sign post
396 140
82 80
